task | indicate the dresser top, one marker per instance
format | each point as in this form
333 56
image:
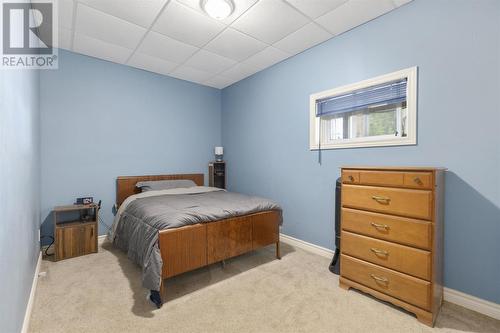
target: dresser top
393 168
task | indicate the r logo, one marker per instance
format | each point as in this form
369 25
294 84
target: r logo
27 28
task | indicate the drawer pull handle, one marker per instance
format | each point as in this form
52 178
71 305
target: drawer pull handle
351 178
418 181
380 226
379 252
379 279
382 200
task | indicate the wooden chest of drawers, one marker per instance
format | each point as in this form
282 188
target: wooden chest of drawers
392 236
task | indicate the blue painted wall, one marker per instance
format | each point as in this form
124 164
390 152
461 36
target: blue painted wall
19 192
456 46
102 120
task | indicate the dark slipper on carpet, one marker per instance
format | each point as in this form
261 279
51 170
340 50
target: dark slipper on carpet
156 298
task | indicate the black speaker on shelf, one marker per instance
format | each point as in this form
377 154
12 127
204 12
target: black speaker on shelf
217 174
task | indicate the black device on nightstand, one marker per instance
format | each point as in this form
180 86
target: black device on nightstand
84 201
217 174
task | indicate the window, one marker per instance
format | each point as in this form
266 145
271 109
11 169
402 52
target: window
376 112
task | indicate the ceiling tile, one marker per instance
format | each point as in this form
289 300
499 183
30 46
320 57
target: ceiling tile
141 12
353 13
240 6
239 72
96 24
64 39
315 8
219 82
99 49
235 45
113 29
265 58
401 2
270 21
187 25
191 74
209 62
152 64
65 13
302 39
160 46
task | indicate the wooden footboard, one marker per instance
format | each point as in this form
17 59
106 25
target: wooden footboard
187 248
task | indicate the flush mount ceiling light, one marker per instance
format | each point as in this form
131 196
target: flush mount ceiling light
218 9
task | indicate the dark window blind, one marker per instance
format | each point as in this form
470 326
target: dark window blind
378 95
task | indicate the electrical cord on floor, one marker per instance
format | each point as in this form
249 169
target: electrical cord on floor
101 221
48 247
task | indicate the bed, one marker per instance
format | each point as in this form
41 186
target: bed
147 227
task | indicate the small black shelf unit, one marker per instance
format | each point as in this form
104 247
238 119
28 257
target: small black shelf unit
217 174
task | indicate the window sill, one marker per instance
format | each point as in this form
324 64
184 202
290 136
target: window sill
365 144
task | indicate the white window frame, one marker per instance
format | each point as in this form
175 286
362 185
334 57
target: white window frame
375 141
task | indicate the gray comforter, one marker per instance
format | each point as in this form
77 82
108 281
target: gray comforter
137 225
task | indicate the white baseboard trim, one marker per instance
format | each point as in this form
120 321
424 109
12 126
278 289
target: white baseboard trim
101 239
29 306
473 303
316 249
467 301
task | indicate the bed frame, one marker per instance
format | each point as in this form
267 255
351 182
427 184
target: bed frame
187 248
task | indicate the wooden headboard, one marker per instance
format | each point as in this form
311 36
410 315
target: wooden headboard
125 185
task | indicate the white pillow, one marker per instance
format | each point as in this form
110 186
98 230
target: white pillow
157 185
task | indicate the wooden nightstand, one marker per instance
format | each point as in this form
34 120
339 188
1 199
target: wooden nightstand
77 235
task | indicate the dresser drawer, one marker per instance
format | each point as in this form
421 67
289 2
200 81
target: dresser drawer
416 179
398 257
404 287
402 230
404 202
350 177
388 178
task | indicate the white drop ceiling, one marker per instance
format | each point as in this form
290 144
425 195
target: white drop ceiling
176 38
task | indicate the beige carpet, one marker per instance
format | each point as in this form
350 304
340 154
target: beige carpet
253 293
